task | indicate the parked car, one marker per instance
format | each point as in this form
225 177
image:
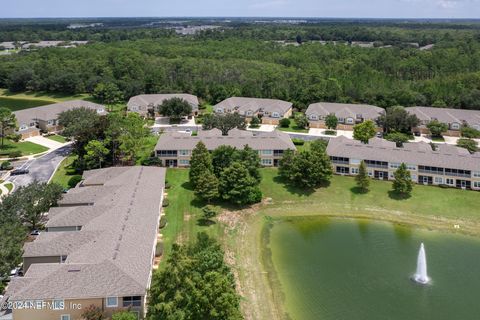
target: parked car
35 233
379 134
17 172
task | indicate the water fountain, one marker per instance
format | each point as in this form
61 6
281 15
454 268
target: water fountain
421 275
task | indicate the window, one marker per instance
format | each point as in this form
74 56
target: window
167 153
411 167
219 110
350 121
313 117
354 170
65 317
50 122
359 116
476 174
476 184
132 301
275 115
184 162
23 127
267 152
450 182
438 180
184 153
341 120
370 173
394 165
355 161
267 162
249 113
58 304
134 108
112 302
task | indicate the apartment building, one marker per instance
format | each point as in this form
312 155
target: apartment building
146 104
45 118
175 148
98 248
447 165
269 110
348 115
454 118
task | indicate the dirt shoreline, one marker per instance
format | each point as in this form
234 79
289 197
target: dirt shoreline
246 232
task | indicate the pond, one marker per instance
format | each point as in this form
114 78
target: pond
349 269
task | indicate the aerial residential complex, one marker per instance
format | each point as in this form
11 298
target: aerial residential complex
146 104
98 248
348 115
447 165
270 110
45 118
175 148
454 118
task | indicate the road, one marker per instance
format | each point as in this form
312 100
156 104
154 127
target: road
41 169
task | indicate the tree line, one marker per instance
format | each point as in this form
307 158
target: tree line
238 64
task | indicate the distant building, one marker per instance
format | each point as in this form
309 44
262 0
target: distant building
147 103
348 115
45 118
175 149
454 118
270 110
448 165
98 248
7 46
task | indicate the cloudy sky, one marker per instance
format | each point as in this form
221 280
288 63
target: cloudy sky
244 8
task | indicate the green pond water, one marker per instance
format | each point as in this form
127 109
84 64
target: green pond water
348 269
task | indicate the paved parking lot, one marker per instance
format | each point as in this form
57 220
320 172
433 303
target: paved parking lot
41 169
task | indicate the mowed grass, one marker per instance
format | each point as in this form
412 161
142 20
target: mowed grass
341 196
26 148
65 171
26 100
293 127
58 138
184 213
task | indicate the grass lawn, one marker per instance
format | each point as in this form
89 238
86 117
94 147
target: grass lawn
293 127
64 172
9 186
184 212
58 138
147 147
26 148
26 100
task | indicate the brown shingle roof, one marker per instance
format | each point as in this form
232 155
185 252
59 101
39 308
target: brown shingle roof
112 254
145 100
446 115
242 105
344 110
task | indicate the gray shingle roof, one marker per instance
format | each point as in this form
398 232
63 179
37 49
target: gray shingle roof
51 111
419 153
145 100
242 105
344 110
446 115
275 140
112 254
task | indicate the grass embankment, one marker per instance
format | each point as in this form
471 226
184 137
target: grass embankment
26 100
9 186
26 148
58 138
241 231
65 171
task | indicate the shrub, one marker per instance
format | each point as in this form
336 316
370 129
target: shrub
15 137
72 183
331 132
468 132
6 165
209 212
167 185
255 123
284 123
298 142
159 249
93 313
165 203
163 222
15 154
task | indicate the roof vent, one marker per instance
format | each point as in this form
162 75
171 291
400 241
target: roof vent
74 270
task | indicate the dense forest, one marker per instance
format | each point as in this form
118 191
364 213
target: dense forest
248 60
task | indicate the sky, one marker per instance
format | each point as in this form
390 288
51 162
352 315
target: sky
242 8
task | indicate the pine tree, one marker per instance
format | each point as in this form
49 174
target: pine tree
363 180
403 183
238 186
200 163
207 186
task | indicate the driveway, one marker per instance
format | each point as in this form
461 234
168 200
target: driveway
48 143
41 169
